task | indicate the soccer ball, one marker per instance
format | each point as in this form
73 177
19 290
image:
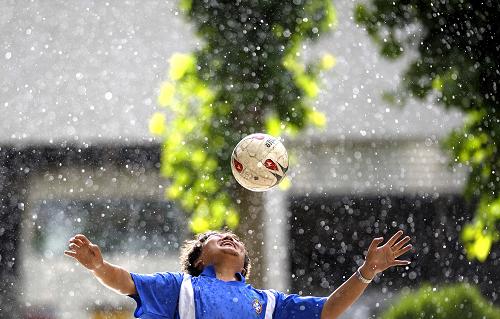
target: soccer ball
259 162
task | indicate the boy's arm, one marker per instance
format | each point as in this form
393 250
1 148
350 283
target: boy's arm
377 260
111 276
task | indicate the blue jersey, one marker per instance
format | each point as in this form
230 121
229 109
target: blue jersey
158 298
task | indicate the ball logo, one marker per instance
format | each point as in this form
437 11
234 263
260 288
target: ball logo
257 306
270 142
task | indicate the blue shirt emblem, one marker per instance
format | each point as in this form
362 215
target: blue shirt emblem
257 305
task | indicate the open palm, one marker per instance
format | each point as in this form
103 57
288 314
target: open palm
380 258
88 254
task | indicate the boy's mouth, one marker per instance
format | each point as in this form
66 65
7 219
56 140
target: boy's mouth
227 243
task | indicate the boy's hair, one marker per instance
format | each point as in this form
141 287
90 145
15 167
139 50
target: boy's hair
191 251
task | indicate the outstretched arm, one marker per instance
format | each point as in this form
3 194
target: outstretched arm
377 260
89 255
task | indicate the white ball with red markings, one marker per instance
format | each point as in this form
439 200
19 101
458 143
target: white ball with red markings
259 162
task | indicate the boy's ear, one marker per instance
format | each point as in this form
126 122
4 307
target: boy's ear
199 264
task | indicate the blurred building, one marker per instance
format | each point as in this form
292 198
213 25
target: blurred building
80 81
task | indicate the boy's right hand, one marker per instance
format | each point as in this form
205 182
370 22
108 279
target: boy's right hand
88 254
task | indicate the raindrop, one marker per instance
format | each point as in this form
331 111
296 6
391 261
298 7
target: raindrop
108 96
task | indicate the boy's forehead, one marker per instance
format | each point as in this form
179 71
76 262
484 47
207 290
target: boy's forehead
210 235
220 235
223 235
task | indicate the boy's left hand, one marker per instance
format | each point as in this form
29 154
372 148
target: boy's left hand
380 258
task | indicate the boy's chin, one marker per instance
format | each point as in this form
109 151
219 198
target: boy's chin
229 251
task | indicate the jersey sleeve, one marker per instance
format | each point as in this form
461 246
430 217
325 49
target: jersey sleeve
157 294
298 307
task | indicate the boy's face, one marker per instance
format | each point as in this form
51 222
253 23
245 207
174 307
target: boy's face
224 247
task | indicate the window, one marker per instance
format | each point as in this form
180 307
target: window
117 225
121 208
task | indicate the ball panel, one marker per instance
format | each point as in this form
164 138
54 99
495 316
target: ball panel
237 165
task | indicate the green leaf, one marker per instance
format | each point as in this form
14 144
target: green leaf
316 118
308 85
199 224
273 126
328 61
481 247
167 92
437 83
157 124
180 64
185 5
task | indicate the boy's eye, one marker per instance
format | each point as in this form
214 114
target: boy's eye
237 240
214 235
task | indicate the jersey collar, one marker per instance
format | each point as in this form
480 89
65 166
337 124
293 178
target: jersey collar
209 271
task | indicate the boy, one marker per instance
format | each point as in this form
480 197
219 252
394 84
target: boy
212 284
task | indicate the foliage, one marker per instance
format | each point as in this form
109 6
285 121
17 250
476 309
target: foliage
458 63
453 301
247 77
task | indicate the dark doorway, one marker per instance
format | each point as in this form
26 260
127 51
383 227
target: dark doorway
330 233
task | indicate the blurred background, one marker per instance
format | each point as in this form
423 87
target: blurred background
80 81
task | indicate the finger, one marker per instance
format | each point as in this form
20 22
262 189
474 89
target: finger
77 242
375 242
401 243
83 238
402 250
400 263
70 253
73 246
394 238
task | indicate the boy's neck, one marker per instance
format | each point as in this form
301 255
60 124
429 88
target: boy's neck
226 273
